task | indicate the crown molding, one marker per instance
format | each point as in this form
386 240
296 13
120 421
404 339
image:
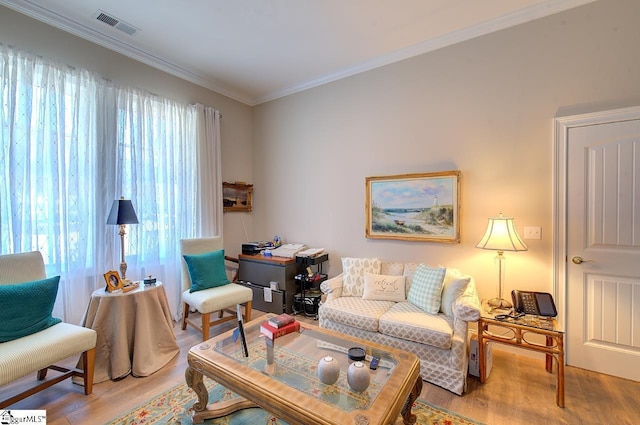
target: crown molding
531 13
35 11
503 22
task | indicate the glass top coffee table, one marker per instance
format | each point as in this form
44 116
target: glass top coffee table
281 377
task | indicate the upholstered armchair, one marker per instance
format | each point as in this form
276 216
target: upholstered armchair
206 287
31 340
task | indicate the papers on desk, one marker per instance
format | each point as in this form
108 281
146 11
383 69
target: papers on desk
311 252
289 250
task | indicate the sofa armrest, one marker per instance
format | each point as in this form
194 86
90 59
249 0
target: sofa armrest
467 306
332 288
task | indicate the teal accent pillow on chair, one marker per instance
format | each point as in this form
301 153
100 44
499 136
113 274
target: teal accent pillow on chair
206 270
25 308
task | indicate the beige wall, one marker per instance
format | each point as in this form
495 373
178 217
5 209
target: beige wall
484 107
236 129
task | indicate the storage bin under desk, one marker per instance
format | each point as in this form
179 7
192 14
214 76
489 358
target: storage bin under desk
277 305
259 271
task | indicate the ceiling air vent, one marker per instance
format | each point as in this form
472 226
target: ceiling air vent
112 21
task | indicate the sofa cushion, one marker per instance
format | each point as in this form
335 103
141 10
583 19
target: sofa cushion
407 321
353 270
27 308
391 268
356 312
453 286
383 287
408 271
426 289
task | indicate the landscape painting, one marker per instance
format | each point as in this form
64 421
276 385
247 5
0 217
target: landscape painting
237 196
414 207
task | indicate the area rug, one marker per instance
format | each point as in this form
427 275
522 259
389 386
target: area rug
173 407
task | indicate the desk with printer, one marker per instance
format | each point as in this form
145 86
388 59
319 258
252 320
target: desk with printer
275 276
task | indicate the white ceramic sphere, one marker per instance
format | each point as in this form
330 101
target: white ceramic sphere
358 376
328 370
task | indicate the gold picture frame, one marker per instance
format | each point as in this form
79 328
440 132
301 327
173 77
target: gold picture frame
237 196
421 207
113 281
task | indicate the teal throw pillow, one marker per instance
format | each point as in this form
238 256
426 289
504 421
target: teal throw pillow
206 270
426 288
25 308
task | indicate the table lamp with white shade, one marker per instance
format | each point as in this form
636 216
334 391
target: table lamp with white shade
501 236
122 213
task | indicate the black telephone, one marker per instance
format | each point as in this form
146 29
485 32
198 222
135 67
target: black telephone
538 303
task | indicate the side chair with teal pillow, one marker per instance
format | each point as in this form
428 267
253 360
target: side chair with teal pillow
31 339
205 286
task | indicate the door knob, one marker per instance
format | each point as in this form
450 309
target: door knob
579 260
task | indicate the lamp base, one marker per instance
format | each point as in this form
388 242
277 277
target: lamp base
499 303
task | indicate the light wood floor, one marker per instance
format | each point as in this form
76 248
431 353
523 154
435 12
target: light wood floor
518 391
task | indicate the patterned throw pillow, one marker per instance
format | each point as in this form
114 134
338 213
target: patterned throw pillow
353 270
408 272
391 269
383 287
426 289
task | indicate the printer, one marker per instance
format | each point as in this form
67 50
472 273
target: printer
254 248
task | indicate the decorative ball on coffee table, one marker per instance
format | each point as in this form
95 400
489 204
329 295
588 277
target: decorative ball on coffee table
328 370
358 376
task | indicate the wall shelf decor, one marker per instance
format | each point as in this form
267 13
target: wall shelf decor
414 207
237 196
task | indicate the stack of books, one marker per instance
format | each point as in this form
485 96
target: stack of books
279 326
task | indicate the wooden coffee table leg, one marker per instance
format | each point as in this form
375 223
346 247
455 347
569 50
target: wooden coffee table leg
194 381
409 418
201 409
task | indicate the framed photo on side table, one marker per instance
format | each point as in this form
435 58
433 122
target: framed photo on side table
414 207
113 281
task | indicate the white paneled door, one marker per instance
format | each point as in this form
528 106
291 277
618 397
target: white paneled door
602 246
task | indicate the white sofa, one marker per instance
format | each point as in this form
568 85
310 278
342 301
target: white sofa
439 340
39 351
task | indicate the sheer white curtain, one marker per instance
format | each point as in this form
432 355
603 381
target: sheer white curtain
71 143
48 162
209 192
157 159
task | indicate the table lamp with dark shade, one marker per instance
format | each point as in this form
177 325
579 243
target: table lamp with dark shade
122 213
501 236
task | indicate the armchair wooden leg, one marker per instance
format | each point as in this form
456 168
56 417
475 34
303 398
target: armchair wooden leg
185 314
247 311
206 323
89 360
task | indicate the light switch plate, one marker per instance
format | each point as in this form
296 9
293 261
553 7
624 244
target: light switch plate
532 232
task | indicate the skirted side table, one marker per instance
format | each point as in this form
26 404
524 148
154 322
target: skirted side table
135 332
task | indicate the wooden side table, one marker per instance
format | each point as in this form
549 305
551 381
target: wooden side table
516 335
